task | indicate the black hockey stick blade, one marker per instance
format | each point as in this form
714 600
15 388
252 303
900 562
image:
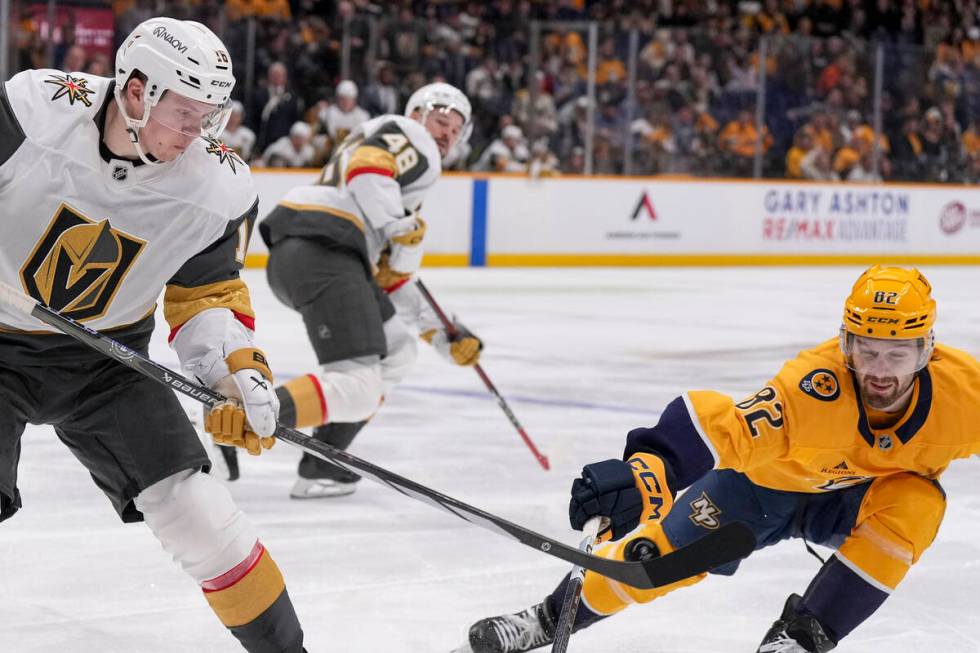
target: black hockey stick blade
726 544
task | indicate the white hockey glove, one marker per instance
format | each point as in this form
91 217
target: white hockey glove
403 256
463 348
248 419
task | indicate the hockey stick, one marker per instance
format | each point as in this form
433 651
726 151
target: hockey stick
726 544
569 606
451 331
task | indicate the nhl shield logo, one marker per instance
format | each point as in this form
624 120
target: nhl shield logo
885 442
78 264
821 384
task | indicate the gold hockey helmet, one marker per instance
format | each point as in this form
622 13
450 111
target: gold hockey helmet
890 303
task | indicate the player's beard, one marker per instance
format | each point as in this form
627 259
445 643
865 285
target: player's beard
881 399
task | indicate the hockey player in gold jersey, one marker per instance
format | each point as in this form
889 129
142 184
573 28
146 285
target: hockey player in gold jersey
112 190
843 447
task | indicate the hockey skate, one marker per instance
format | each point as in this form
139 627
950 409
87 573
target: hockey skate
511 633
796 632
321 488
319 479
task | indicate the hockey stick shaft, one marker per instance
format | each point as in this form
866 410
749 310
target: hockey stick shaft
569 606
726 544
452 332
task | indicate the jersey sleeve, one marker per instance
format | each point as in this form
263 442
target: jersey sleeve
704 430
11 134
206 303
379 168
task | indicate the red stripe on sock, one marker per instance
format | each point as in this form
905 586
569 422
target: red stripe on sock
236 573
319 393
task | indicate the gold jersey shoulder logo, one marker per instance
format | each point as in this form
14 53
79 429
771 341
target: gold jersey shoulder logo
821 384
224 153
73 88
78 265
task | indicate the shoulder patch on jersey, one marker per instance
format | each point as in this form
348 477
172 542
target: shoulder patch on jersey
73 88
224 153
821 384
409 162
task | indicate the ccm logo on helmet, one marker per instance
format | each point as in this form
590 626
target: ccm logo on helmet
162 33
219 83
882 320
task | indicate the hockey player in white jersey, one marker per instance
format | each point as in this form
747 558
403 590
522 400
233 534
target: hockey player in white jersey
113 189
342 253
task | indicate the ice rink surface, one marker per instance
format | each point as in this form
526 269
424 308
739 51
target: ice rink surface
583 355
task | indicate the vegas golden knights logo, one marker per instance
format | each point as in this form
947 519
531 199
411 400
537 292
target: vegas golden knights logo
78 265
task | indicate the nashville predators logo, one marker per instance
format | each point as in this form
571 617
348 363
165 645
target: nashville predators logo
821 384
73 88
224 153
78 265
704 512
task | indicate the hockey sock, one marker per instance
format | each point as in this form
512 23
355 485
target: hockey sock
301 402
252 602
584 617
841 599
338 435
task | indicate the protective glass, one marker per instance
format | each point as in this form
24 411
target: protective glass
190 117
882 358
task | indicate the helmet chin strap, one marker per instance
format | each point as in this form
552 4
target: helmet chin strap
133 126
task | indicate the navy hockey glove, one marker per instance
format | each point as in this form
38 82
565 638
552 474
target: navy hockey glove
626 493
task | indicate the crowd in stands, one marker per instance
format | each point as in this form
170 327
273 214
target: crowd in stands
695 107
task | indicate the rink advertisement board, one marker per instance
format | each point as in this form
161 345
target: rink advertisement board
447 212
513 220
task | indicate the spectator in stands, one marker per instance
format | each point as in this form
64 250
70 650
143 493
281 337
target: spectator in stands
573 119
543 112
972 175
543 162
381 96
610 69
236 134
971 138
292 151
74 61
937 152
907 151
275 108
341 117
574 164
737 142
604 158
802 144
863 169
567 86
404 38
505 154
816 166
99 66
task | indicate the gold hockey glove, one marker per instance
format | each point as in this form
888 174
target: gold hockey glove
462 349
248 419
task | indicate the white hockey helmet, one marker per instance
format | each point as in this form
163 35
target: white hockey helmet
180 56
445 97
